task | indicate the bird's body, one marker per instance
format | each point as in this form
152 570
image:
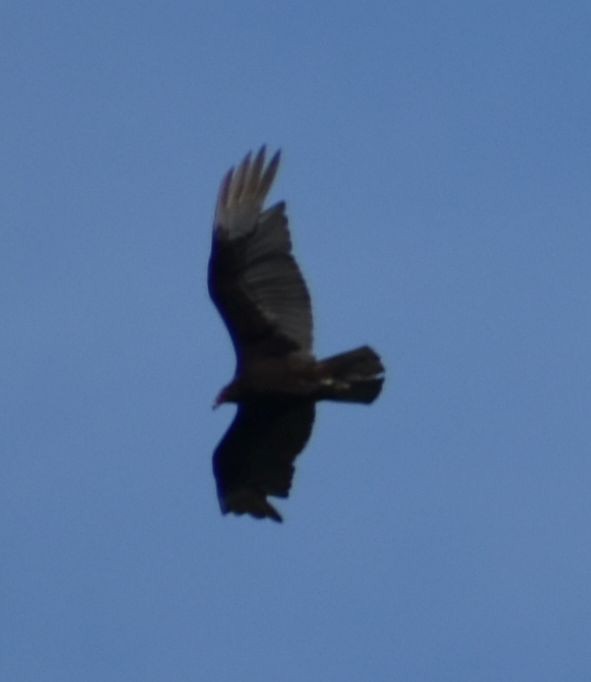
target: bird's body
290 375
260 293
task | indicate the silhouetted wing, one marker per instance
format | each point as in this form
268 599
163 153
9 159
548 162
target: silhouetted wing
255 457
253 278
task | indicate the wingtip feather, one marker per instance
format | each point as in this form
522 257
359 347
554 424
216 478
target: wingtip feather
243 191
270 173
246 501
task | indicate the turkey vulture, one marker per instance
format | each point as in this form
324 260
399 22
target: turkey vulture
260 293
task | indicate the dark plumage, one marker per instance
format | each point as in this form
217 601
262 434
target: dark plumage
260 293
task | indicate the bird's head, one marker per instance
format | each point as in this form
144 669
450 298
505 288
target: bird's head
228 394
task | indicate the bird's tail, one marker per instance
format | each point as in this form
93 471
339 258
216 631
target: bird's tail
355 376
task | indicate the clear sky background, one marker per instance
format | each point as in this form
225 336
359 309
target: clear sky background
437 169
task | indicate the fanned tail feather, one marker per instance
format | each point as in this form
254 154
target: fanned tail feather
355 376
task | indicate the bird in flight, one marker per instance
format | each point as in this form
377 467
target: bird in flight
263 299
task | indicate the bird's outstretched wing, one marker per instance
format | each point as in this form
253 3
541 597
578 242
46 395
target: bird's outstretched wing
254 280
255 457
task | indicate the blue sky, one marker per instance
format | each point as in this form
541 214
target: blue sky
437 169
